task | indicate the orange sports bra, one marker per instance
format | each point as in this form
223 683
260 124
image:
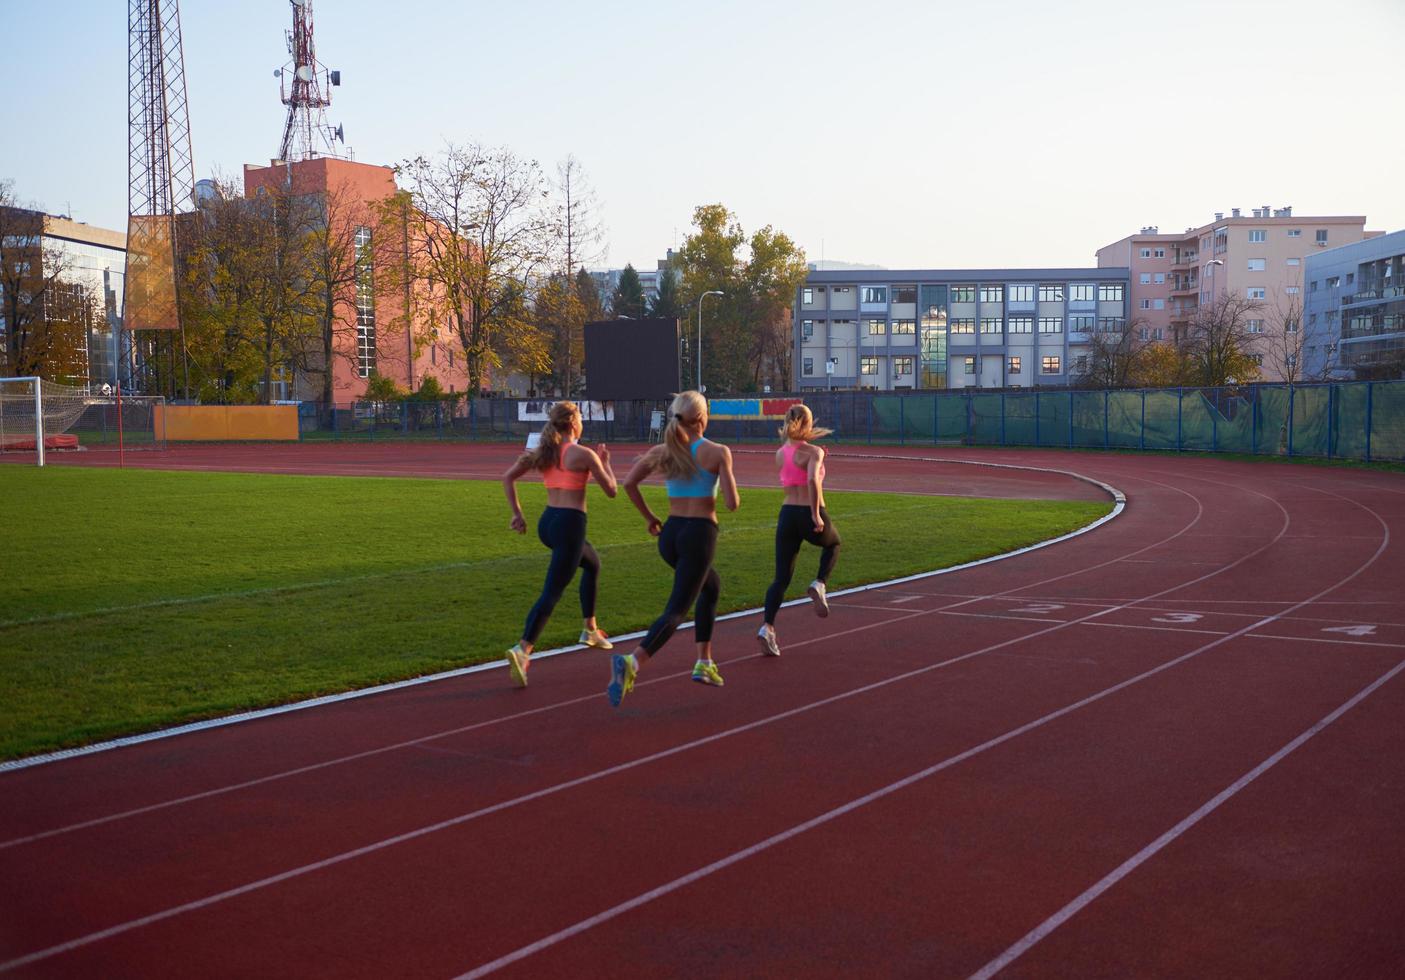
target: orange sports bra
557 478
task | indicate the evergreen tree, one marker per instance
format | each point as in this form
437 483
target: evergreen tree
667 303
628 299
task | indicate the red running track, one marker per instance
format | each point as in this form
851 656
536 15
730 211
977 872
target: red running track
1169 747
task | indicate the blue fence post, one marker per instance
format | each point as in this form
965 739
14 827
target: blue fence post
870 421
1331 418
936 408
1291 391
1037 439
1254 423
902 421
1141 437
1370 389
1107 397
1002 418
1180 401
1215 423
1070 419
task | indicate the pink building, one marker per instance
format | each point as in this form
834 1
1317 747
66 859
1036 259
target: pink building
1257 256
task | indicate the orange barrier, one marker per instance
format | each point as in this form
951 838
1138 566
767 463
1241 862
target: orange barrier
225 423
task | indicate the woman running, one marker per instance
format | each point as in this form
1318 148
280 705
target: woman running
566 467
803 518
694 467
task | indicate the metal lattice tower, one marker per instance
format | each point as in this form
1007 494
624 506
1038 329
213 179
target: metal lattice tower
306 133
160 167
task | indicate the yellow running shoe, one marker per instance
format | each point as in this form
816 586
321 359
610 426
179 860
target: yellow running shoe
517 660
623 668
596 638
705 672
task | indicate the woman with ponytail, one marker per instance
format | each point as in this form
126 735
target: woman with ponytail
803 518
566 467
693 468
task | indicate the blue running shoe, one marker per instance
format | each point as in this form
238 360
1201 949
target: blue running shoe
623 668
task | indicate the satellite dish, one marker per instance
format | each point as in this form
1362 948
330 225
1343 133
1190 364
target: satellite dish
304 73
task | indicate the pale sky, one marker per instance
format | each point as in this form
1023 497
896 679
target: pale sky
964 134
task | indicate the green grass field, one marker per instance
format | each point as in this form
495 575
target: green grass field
133 599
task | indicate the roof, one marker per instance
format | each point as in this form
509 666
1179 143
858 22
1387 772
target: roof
887 276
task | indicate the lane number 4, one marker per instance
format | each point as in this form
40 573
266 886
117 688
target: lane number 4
1362 630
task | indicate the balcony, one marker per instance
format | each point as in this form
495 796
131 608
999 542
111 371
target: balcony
1183 288
1189 261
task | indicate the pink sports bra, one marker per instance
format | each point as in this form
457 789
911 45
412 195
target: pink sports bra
793 475
558 478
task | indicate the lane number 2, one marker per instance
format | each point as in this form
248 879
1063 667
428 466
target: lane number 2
1039 607
1178 618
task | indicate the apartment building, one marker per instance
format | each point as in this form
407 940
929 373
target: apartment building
1258 256
1354 310
952 328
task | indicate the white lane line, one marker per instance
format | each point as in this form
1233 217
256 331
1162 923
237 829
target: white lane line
1042 930
1119 504
1326 639
703 872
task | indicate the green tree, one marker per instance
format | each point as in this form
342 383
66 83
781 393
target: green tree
667 304
628 298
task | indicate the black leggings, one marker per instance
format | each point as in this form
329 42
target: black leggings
794 527
562 529
687 544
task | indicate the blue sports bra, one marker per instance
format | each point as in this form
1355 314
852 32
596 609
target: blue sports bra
700 484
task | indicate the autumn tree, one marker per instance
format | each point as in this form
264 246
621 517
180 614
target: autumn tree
1114 357
1285 341
342 252
480 229
1218 347
41 309
757 276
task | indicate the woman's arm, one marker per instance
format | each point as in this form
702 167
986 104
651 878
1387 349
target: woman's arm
600 469
728 479
814 468
509 486
638 473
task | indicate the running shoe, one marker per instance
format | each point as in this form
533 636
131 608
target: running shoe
596 638
705 672
766 636
816 593
517 660
623 668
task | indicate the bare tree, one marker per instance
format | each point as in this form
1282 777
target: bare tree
31 277
1115 357
480 229
1218 347
579 242
340 256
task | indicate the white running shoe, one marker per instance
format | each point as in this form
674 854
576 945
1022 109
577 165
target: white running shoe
596 638
517 660
816 593
766 636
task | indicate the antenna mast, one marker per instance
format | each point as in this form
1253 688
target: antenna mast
303 80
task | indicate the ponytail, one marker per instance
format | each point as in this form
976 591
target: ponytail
675 458
554 435
800 425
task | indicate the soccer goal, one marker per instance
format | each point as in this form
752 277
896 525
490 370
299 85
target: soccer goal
38 416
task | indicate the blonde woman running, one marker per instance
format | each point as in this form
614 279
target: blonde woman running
566 467
803 518
693 467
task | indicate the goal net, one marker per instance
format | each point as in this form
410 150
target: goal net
38 416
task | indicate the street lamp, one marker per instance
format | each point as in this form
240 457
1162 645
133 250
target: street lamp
710 292
1210 265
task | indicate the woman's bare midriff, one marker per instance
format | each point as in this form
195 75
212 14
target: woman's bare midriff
693 507
798 496
569 499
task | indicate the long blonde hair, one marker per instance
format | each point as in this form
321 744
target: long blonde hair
800 425
555 434
673 457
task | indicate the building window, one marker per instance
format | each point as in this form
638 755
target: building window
1333 282
839 289
1160 253
868 365
908 327
992 294
1146 279
968 365
963 324
902 366
1146 253
1160 278
1111 324
1312 286
809 366
1080 292
1110 292
905 294
1295 261
990 325
1158 304
963 294
365 304
1013 365
1257 292
1051 324
1256 265
1051 293
1080 324
1295 233
1290 326
877 328
874 294
1350 278
1257 359
1256 326
1322 236
1021 294
1157 333
1049 364
1256 235
1020 324
1143 334
807 328
807 296
1292 290
1146 304
1082 363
